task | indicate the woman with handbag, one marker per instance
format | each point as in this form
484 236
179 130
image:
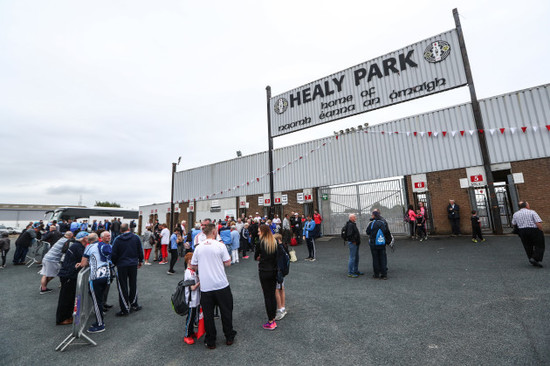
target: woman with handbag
266 254
148 240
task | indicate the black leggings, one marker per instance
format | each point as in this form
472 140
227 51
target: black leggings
268 280
4 254
173 258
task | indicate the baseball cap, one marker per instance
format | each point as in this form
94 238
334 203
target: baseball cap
81 235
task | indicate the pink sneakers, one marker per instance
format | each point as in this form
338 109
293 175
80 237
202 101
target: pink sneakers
270 325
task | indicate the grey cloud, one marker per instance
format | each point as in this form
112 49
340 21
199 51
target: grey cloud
68 189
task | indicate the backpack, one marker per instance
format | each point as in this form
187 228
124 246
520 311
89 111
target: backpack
179 303
380 239
283 263
344 232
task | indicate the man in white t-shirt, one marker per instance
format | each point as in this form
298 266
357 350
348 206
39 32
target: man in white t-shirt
209 259
164 241
201 237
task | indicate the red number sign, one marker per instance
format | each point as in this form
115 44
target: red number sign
476 178
419 185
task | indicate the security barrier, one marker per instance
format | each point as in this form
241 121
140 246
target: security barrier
37 251
83 309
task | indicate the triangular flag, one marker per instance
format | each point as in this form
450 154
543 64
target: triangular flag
471 132
324 143
257 179
453 133
396 132
535 128
444 133
436 133
480 131
548 127
513 129
247 183
492 130
502 130
301 157
524 129
414 133
430 133
422 133
409 133
382 132
336 137
461 133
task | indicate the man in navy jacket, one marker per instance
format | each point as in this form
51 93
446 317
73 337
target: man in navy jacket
127 256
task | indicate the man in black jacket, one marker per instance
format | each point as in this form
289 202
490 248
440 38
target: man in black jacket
354 240
378 249
127 256
453 212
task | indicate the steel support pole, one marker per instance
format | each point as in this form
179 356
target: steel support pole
270 153
497 223
172 198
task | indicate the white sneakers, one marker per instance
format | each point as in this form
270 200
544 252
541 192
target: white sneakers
280 314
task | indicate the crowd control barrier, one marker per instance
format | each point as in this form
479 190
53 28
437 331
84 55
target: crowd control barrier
83 309
37 251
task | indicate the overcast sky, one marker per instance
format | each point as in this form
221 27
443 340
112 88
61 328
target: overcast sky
98 98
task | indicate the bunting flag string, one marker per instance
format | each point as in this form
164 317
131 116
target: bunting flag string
413 134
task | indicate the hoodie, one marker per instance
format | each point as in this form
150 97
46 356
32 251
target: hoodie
127 250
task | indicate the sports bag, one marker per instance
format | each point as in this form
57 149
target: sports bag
179 303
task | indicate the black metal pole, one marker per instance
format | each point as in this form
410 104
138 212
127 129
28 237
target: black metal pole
270 143
172 198
497 223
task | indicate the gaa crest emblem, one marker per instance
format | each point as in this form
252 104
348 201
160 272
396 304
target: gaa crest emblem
281 105
437 51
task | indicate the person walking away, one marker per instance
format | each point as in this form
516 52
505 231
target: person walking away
353 239
4 247
148 240
378 251
266 255
115 229
210 258
529 226
476 227
97 255
244 240
411 215
189 335
175 240
453 213
235 244
318 219
128 258
420 224
68 276
164 242
280 287
424 212
309 228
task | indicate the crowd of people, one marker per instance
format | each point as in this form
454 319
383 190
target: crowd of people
115 255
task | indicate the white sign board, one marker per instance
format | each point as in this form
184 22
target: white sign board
260 200
277 198
300 198
242 202
267 200
191 207
464 183
419 183
284 199
518 178
215 203
476 176
427 67
308 195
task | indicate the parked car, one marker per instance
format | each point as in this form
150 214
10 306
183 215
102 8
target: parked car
4 229
14 230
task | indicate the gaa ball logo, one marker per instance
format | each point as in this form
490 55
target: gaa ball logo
437 51
281 105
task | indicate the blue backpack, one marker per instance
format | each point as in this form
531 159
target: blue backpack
380 238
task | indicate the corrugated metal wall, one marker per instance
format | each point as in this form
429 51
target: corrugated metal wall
360 156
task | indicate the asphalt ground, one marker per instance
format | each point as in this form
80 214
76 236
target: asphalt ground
447 301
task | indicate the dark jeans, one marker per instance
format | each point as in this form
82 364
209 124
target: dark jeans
533 243
127 277
420 231
310 247
4 254
455 226
353 263
412 226
97 290
476 232
379 260
243 246
173 258
20 254
268 280
65 304
224 300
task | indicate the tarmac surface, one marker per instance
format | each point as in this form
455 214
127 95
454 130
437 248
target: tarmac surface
447 301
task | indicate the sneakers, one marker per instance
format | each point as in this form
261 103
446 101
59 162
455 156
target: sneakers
474 240
270 326
246 257
280 314
170 272
307 259
359 273
96 328
122 313
189 340
482 240
163 262
312 260
352 275
42 292
136 308
147 264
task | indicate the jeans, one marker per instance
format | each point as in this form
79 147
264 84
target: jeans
20 254
379 260
353 262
